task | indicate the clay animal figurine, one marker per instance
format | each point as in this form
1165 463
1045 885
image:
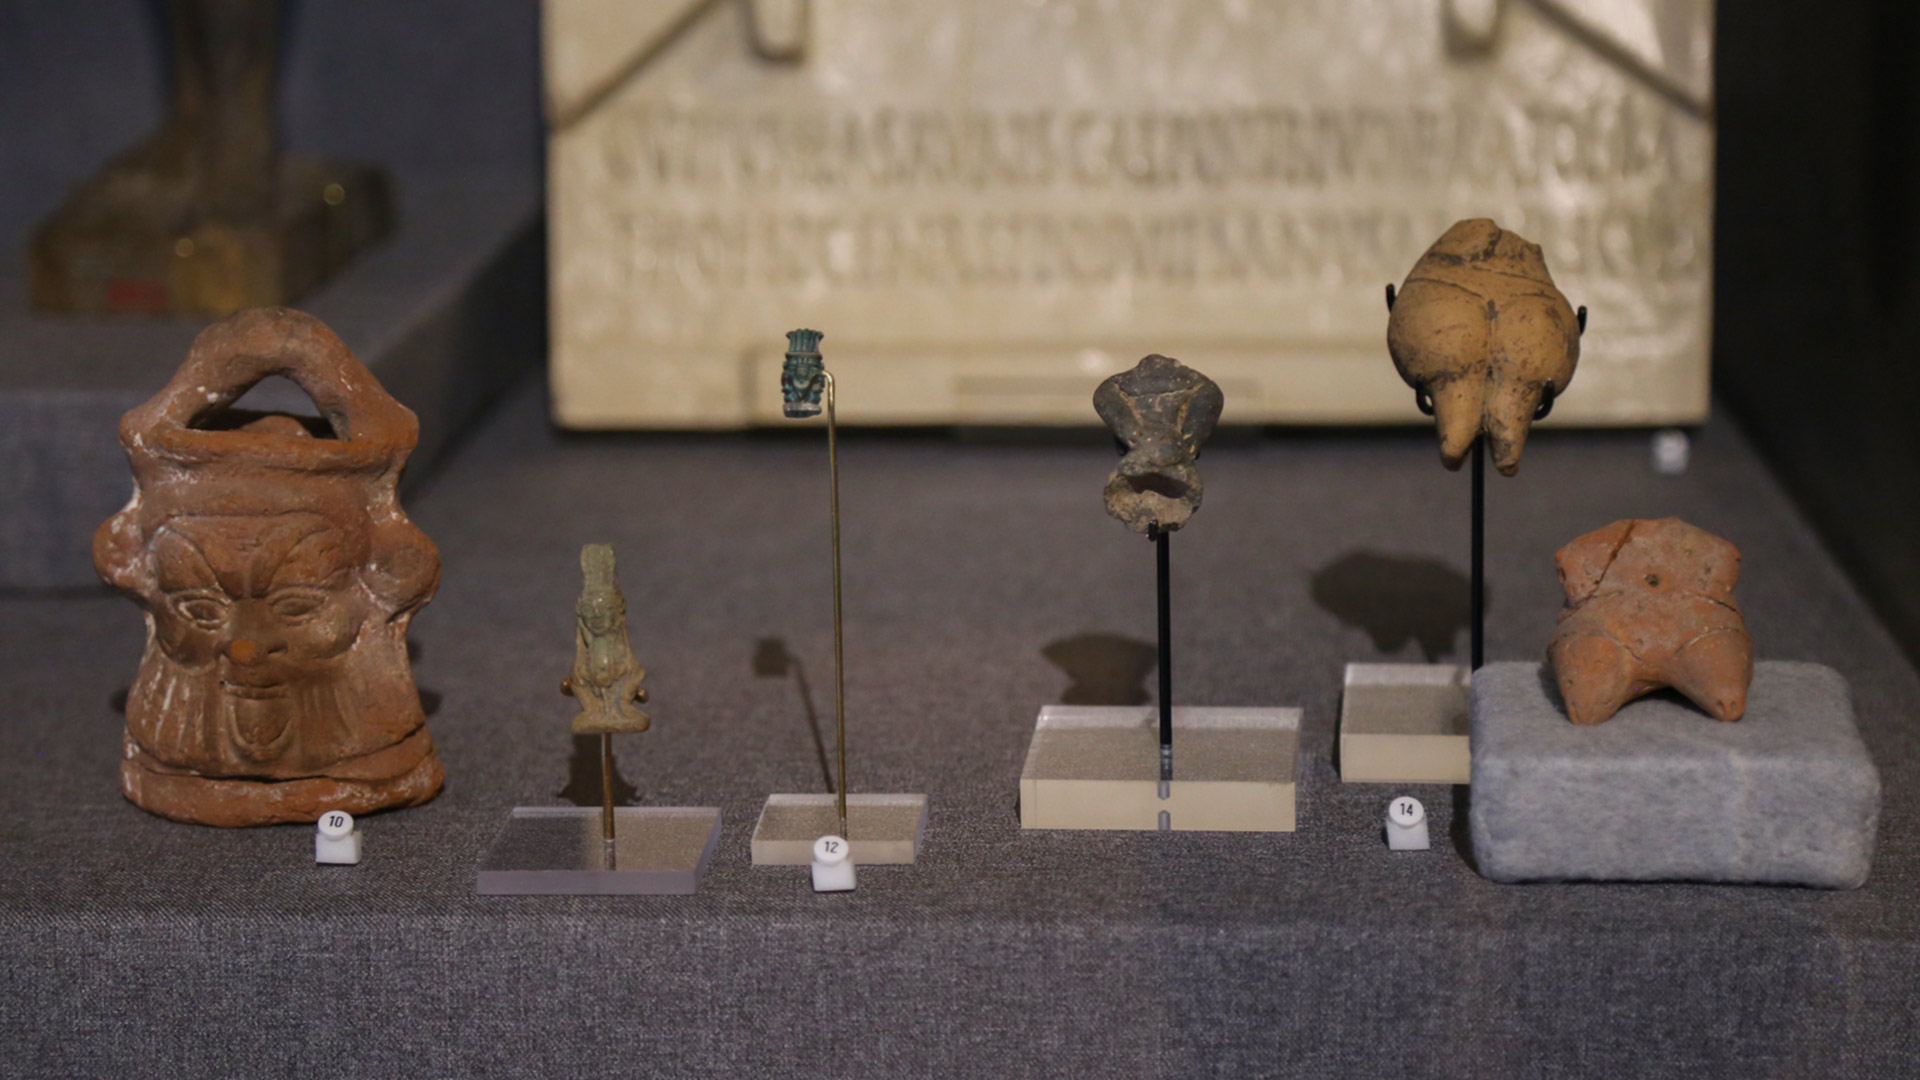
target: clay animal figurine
1484 338
1162 411
606 678
278 575
1650 604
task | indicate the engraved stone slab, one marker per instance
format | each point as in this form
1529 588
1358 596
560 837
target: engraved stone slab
990 204
1664 792
1098 767
886 829
1405 724
558 850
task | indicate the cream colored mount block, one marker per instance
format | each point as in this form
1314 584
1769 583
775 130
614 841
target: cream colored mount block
886 829
988 206
1405 724
1098 767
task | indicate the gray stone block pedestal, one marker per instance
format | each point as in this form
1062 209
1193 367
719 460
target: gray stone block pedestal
1664 792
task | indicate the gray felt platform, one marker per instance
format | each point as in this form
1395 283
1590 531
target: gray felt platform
1664 792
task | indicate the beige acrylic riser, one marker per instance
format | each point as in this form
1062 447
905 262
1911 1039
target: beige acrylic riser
1405 724
882 829
988 206
1098 767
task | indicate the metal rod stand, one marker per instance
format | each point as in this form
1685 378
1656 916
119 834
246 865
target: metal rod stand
606 799
1479 551
1163 573
839 664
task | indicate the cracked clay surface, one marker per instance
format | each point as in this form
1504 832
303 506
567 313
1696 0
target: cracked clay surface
1650 605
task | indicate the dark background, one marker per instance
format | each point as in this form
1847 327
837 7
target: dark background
1817 290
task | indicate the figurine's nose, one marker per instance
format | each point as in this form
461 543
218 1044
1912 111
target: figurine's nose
252 641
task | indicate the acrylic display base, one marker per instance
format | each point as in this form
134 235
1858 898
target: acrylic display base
1664 792
558 850
1098 767
1405 724
886 829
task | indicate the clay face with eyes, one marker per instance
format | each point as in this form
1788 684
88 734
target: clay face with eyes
279 576
1484 338
263 609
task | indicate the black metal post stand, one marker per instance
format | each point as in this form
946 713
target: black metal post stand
1165 575
1479 549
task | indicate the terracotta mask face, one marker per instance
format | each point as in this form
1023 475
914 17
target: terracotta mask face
278 575
259 616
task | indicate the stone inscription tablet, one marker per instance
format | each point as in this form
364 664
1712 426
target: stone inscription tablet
990 205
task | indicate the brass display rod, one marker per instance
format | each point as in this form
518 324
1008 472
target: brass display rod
839 666
606 786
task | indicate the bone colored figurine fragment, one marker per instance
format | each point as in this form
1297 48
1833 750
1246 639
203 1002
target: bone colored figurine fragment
1484 338
1650 605
278 575
1163 411
606 677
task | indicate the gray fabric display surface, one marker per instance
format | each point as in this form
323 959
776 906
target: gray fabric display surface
1662 791
983 580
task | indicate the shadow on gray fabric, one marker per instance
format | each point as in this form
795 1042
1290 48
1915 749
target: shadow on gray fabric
1106 669
773 660
1396 599
583 776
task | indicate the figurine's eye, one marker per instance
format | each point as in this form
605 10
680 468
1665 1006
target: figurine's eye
1424 400
203 610
1541 410
293 605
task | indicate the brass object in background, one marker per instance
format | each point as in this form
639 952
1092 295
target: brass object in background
206 217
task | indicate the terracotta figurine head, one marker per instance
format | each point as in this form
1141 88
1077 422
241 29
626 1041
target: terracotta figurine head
1162 412
1484 338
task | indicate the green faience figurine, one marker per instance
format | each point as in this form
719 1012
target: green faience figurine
606 677
803 376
